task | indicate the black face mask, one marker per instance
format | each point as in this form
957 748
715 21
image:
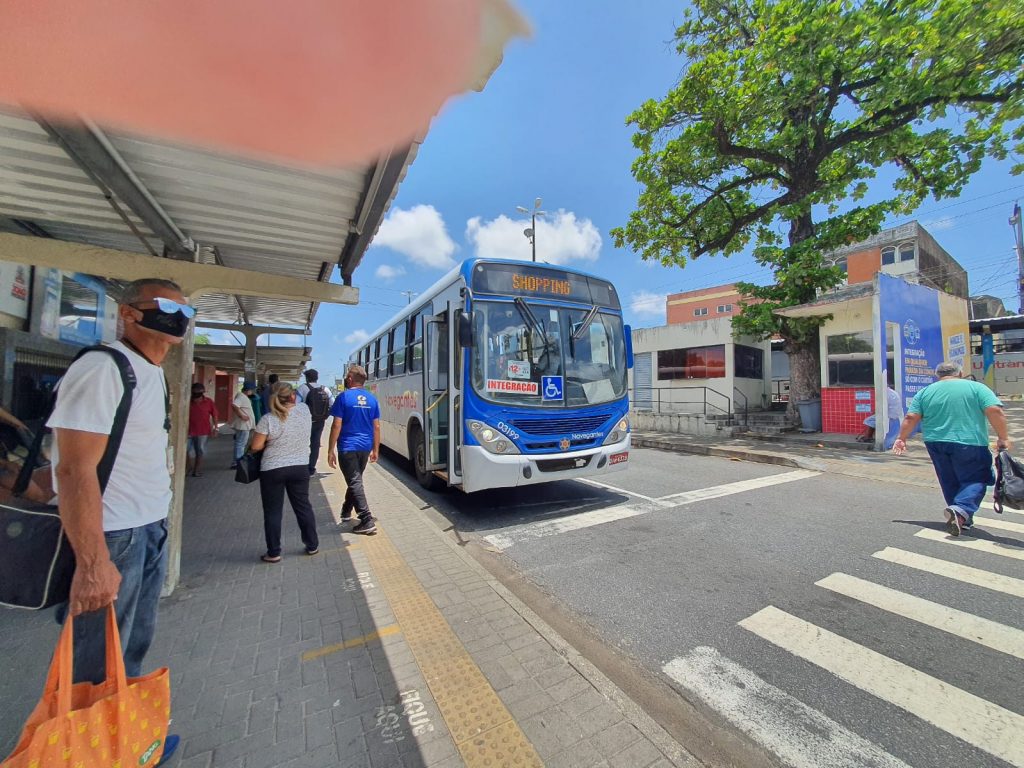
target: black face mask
173 324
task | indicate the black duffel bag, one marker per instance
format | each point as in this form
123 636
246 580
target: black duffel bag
1009 490
248 469
36 559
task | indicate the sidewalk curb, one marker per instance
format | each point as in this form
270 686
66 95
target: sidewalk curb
643 722
726 453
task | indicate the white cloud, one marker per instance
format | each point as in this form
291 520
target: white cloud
419 234
647 303
387 272
561 238
356 337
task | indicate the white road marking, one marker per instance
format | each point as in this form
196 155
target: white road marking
799 736
965 573
981 723
979 545
618 490
544 528
715 491
990 505
994 522
991 634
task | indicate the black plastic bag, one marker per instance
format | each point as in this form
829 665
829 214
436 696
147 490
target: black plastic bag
1009 490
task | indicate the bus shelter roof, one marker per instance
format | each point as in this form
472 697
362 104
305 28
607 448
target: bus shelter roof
287 362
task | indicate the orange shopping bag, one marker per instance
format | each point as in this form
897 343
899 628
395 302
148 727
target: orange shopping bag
118 723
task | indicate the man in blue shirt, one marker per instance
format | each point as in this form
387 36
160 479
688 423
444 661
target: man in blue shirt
355 435
956 413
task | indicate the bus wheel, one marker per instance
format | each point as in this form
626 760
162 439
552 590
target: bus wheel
418 457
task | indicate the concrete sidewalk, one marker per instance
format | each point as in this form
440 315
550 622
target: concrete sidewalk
392 650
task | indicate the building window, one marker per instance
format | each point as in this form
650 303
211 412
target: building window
700 311
723 308
692 363
888 256
907 252
850 360
749 362
841 263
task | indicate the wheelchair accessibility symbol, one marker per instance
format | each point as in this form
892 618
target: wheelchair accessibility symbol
551 387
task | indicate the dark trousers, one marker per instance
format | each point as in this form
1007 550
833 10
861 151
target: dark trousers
963 471
140 555
314 444
274 484
353 464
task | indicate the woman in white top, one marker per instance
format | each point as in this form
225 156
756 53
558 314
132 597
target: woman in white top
283 436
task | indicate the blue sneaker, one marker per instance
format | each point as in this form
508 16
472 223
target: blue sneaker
170 745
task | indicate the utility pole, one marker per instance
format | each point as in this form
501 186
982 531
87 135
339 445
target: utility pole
408 296
1018 233
531 233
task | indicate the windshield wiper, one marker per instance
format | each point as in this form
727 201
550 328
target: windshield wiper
535 326
581 328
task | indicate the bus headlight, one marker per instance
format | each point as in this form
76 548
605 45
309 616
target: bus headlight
619 433
491 439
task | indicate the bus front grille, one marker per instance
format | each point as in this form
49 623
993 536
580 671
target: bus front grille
561 465
556 426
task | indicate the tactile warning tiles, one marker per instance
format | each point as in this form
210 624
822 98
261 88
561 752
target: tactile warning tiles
482 728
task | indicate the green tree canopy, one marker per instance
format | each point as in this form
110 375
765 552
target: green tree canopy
787 109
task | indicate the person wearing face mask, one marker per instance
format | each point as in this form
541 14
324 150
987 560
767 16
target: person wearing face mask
119 534
202 425
283 436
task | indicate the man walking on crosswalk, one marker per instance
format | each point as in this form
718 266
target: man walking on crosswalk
953 411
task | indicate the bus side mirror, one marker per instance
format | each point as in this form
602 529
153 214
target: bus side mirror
629 346
464 326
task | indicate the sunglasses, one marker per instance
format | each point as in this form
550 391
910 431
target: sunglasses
169 307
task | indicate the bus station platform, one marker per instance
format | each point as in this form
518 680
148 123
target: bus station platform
390 651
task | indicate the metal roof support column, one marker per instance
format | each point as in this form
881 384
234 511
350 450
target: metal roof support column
178 369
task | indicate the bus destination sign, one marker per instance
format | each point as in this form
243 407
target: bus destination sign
533 281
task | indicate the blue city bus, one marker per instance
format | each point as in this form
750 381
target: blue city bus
505 373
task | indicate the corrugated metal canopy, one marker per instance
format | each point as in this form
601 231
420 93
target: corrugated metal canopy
85 184
287 362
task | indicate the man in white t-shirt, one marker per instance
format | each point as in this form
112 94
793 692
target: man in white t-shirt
242 419
119 535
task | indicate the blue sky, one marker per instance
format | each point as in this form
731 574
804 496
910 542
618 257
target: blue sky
551 123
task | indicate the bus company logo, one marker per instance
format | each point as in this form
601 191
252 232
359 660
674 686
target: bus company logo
407 401
513 387
911 332
583 436
564 444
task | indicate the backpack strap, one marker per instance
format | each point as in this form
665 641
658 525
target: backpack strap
106 464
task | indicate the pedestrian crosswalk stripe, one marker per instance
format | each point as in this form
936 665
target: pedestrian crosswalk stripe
1002 525
510 536
978 722
990 505
964 573
798 735
979 545
991 634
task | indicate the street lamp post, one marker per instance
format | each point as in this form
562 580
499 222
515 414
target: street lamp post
531 233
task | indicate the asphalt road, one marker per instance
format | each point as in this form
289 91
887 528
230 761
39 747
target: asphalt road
708 573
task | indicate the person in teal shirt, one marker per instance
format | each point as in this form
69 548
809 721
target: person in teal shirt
955 414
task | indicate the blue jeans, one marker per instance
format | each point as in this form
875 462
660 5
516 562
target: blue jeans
140 554
963 471
241 440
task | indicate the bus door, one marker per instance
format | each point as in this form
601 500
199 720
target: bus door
442 396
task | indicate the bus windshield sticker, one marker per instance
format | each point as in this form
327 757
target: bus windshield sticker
553 388
518 369
514 387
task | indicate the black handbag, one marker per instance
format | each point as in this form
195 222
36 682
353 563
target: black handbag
36 559
1009 490
248 469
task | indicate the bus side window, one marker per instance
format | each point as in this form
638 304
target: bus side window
375 363
398 350
391 353
416 344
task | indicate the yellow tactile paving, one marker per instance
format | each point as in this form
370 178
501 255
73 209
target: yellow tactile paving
483 730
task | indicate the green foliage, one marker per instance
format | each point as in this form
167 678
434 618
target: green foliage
787 109
202 338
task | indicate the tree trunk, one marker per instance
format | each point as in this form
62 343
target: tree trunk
804 356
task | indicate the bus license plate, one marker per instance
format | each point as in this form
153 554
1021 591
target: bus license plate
618 458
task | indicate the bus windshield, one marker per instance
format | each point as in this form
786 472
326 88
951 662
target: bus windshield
511 355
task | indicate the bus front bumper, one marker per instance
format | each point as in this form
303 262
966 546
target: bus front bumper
482 470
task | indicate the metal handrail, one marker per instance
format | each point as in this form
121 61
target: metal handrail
705 402
746 403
